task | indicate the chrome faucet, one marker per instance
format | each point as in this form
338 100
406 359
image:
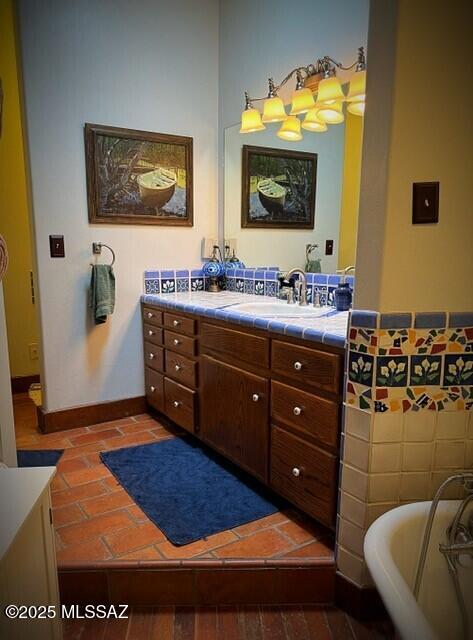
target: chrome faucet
301 285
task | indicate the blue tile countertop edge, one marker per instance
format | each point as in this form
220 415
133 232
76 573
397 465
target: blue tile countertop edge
226 314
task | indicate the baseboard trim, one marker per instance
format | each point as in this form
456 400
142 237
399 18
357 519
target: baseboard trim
195 585
21 384
85 415
363 603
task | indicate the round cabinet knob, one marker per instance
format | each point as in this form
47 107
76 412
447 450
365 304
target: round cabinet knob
177 367
297 411
176 341
297 366
176 403
175 323
150 332
255 397
296 472
149 314
151 356
152 389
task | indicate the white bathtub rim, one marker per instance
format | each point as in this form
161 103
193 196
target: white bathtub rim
396 594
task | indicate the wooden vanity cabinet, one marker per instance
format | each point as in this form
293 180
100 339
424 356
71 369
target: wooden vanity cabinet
235 414
269 403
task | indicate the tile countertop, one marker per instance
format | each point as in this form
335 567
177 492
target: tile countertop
331 330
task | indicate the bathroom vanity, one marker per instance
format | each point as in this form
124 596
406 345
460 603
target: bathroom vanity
268 401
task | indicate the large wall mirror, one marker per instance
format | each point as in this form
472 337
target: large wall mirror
273 196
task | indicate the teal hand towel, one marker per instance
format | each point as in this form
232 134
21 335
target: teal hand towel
102 292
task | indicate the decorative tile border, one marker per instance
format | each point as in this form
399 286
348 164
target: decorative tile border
262 281
397 362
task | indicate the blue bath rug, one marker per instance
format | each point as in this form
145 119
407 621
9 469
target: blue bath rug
39 458
188 491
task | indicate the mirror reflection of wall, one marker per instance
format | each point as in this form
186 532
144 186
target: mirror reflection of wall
336 202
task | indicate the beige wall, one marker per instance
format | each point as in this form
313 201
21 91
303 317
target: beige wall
14 219
422 267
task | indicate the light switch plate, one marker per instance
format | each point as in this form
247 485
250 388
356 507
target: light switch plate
425 202
56 247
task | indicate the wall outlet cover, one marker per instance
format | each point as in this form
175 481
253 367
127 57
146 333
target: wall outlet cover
56 247
34 352
425 202
207 247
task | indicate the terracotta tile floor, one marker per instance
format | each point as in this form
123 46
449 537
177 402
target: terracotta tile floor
230 623
96 520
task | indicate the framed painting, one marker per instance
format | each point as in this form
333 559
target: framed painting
278 188
138 177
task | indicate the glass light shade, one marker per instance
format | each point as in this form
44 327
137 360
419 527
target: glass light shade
251 121
273 110
356 108
330 113
302 101
290 129
357 90
313 123
330 90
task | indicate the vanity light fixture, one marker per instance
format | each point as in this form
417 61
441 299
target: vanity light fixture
302 98
290 129
250 118
273 108
312 122
318 79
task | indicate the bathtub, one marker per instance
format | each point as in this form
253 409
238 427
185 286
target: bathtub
392 547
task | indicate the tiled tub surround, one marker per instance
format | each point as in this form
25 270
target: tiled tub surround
408 418
330 329
260 282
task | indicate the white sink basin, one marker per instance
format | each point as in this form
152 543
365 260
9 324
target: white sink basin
280 309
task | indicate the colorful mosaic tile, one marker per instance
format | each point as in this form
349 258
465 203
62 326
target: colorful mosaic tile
416 369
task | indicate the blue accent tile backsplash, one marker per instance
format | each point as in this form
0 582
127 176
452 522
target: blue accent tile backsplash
262 281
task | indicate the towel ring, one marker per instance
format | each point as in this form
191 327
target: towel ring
97 250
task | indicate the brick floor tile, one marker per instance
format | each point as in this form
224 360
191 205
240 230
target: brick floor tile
84 450
58 483
196 548
91 551
87 474
107 502
112 424
139 535
67 515
262 523
129 440
137 513
263 544
89 438
138 427
318 549
71 464
82 492
100 525
302 531
111 483
148 553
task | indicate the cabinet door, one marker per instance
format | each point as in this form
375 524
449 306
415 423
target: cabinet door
234 417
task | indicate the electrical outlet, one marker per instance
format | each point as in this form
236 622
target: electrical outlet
207 247
33 349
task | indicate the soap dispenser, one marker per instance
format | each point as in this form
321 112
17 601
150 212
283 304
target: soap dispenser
343 294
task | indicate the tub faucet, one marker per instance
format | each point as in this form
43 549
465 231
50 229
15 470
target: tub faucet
301 285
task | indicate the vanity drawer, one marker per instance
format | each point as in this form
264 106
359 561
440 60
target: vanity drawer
306 413
181 368
236 344
154 356
179 343
154 389
304 474
180 404
179 323
153 334
313 368
152 316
